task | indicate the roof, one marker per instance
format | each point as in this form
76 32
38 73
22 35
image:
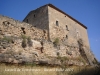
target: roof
66 15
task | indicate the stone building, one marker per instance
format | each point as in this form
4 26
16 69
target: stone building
57 24
52 32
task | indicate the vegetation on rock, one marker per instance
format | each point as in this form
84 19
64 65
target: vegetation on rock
56 42
26 40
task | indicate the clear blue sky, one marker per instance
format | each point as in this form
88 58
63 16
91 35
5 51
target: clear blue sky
85 11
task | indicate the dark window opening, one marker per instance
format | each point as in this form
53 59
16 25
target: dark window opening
34 15
67 28
66 36
57 23
27 20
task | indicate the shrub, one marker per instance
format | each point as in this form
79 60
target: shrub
56 42
24 36
8 39
26 40
29 64
29 41
24 44
80 42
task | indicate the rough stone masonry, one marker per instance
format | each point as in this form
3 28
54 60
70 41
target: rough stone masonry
47 35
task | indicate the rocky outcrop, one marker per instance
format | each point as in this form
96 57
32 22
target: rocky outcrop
39 52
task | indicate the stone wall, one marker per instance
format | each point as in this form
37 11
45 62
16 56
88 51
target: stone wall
67 28
45 18
68 31
13 33
38 18
11 27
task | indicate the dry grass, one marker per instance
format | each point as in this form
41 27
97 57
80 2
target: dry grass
41 70
24 70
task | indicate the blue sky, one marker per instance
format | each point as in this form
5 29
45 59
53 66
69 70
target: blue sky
85 11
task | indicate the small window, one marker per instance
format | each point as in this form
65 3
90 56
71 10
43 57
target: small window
27 20
67 28
66 37
57 23
34 15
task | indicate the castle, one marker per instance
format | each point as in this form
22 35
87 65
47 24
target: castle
57 24
52 32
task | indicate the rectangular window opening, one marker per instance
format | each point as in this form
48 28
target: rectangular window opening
57 23
67 28
34 15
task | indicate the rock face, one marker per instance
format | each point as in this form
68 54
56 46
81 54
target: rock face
21 42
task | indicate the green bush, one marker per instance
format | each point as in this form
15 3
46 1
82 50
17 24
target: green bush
56 42
24 36
9 39
26 40
24 44
80 42
30 64
29 41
